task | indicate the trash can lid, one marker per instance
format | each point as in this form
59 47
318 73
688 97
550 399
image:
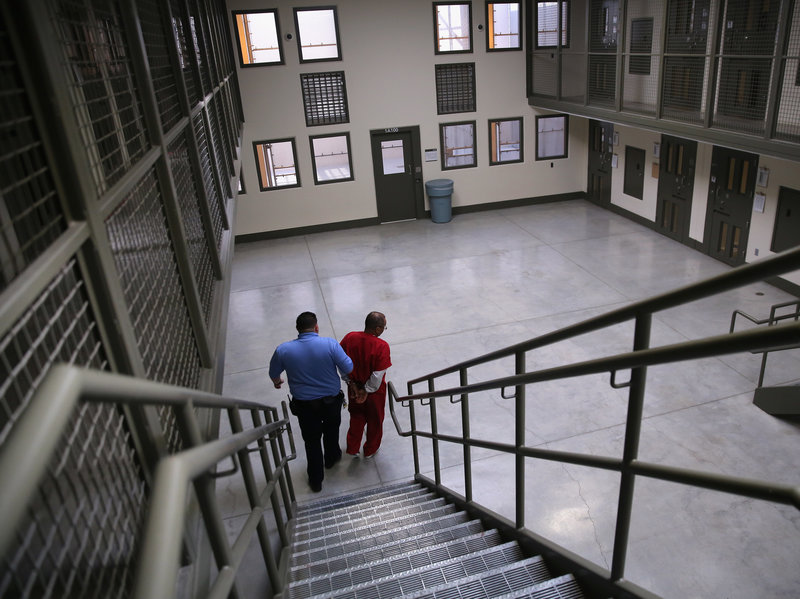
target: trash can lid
436 183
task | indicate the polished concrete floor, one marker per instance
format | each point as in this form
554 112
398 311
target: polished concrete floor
486 280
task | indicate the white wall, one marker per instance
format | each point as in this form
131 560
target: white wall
638 138
388 60
781 173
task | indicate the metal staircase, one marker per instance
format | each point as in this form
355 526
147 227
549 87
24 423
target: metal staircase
404 541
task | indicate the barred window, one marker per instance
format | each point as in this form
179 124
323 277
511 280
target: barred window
551 136
505 141
458 145
317 34
331 157
259 37
503 26
455 88
325 98
277 163
546 16
452 27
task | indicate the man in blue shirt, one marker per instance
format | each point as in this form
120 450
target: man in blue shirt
311 364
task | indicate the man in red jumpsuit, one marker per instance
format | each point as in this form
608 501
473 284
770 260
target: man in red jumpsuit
370 356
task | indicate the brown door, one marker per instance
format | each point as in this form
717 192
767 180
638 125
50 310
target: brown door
601 148
730 203
675 186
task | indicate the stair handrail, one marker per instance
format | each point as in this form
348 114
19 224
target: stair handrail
637 361
34 439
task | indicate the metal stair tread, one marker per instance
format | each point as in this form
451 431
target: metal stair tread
561 587
372 529
401 533
345 513
358 522
511 578
414 558
305 509
445 572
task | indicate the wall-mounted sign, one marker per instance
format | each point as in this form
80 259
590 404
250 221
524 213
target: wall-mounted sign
431 155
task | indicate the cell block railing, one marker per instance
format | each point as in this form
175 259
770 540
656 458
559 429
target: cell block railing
78 518
628 465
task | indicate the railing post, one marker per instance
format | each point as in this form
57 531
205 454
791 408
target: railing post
519 440
633 429
253 496
206 493
278 455
437 474
412 418
465 432
272 475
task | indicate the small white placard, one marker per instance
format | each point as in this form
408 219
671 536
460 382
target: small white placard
614 160
431 155
763 176
759 200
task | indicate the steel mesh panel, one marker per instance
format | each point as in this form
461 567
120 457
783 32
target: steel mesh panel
742 93
324 98
223 134
602 79
544 71
30 214
79 535
161 73
455 88
148 271
787 126
105 98
682 95
58 326
195 34
219 154
188 200
212 195
640 90
185 56
573 77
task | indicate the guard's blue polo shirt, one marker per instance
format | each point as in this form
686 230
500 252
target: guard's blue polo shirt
310 362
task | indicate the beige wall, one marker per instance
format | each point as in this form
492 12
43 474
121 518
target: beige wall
388 60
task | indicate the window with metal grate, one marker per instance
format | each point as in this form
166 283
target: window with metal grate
455 88
325 98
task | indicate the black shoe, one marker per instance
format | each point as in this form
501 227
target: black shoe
316 487
334 461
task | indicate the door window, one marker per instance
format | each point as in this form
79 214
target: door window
392 157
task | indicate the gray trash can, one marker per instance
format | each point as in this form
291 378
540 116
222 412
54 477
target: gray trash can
440 194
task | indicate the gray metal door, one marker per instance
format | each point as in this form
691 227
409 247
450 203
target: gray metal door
397 171
675 186
601 148
730 203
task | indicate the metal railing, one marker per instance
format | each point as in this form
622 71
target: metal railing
773 319
629 466
35 441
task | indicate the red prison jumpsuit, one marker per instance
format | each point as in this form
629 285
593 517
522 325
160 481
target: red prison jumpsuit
369 354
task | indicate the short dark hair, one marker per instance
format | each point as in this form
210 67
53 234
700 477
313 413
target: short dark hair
306 321
374 320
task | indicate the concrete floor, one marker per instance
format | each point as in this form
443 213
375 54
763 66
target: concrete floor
486 280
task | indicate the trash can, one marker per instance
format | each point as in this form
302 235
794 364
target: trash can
440 193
